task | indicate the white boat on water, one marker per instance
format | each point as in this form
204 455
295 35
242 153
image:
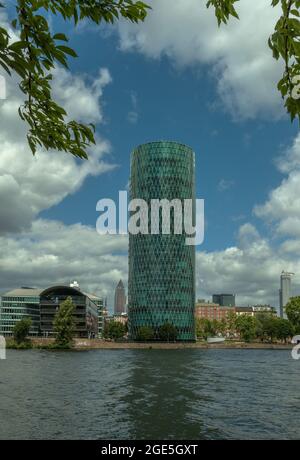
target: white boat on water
215 339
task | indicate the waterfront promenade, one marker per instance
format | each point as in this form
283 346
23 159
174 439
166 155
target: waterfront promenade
98 344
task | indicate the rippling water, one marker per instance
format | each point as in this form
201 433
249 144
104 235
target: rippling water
150 394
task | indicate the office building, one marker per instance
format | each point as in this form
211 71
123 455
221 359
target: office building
19 304
224 300
41 305
85 315
161 285
102 311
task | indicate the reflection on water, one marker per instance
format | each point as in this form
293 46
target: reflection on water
161 394
150 394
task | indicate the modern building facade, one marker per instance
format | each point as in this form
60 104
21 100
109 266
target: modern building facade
120 299
285 291
19 304
85 315
161 266
41 305
102 311
224 300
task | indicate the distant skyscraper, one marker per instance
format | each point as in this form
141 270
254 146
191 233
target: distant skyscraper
285 291
161 285
120 299
224 300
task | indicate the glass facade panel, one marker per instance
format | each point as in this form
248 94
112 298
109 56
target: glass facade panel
14 309
161 285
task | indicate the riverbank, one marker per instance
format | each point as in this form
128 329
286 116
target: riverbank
97 344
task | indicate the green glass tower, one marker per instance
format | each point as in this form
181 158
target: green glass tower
161 284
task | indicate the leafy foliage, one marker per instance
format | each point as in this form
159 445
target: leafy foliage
264 326
21 330
284 43
284 329
145 333
168 332
247 327
267 327
293 312
34 56
223 9
63 324
114 330
206 328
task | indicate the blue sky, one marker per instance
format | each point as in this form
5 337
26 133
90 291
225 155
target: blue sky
175 77
235 167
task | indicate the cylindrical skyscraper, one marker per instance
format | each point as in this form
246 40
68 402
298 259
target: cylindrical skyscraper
162 266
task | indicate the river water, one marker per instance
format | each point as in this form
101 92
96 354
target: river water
150 394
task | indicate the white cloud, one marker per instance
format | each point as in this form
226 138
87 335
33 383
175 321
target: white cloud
283 205
133 114
225 184
252 268
41 252
132 117
80 101
238 54
52 253
30 184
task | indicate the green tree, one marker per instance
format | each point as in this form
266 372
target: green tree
267 326
21 330
292 310
38 51
285 329
284 44
168 332
114 330
247 327
218 327
145 333
63 324
204 328
231 322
